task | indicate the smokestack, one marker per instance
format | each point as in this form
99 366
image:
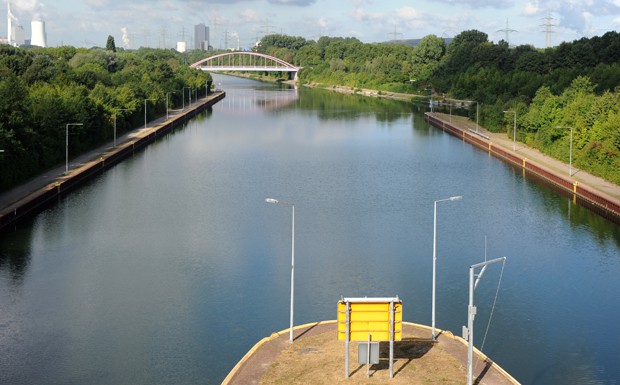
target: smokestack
9 22
39 37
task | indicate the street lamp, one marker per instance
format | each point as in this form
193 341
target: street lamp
67 144
145 100
115 112
454 198
514 131
570 153
276 202
167 101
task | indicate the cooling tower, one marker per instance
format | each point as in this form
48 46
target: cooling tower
38 33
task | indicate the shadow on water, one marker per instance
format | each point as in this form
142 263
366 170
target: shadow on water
15 255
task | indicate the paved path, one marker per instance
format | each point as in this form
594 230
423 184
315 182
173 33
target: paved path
503 141
10 197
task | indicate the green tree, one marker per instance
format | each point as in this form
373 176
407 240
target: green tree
109 45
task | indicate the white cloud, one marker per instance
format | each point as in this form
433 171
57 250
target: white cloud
531 8
361 14
250 15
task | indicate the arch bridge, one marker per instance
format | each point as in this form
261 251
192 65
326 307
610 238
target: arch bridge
246 61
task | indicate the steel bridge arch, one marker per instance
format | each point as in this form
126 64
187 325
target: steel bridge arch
213 63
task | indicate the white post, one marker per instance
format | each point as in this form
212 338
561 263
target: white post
454 198
292 268
275 201
471 314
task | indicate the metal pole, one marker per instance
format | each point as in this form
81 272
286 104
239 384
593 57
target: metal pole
347 339
145 113
470 328
67 149
477 108
471 314
292 268
392 321
454 198
433 337
275 201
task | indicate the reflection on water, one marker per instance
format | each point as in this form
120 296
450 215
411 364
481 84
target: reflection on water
170 266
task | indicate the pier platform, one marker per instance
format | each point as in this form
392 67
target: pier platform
317 357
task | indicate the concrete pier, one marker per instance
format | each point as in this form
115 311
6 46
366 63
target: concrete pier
317 357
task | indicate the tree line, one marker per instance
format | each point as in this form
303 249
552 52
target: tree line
44 89
573 85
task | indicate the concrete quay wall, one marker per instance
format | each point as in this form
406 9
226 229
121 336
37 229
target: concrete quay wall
34 202
598 201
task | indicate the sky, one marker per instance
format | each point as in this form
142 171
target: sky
240 23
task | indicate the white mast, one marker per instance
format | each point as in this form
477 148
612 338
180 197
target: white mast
9 23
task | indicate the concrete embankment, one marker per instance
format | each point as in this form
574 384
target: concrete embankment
586 191
29 199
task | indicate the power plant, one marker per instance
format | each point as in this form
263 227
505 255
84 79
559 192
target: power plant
39 37
16 35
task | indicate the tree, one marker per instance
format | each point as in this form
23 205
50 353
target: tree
110 46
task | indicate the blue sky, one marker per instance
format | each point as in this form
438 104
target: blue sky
135 23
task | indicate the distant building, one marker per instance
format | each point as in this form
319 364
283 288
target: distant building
201 37
39 37
18 36
181 46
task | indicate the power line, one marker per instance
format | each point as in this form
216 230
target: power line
548 24
395 34
507 31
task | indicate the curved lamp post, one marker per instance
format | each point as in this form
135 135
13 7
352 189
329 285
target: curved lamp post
454 198
279 202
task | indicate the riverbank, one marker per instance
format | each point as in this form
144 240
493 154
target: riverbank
367 92
316 356
30 198
599 195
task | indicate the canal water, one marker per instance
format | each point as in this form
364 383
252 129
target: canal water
169 267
